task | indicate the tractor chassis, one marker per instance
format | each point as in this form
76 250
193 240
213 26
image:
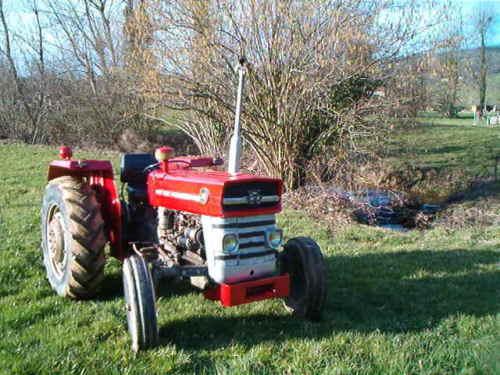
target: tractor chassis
162 264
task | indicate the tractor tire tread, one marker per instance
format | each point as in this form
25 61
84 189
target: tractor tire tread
315 277
140 297
86 227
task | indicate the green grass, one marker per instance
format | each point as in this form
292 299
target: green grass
416 302
449 145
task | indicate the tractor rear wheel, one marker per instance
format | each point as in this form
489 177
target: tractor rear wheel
303 261
73 238
140 303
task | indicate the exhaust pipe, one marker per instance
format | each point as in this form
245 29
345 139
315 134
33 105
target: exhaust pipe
235 145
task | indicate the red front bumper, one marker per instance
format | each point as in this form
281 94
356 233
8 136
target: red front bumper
250 291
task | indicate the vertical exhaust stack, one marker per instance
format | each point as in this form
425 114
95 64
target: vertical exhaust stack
235 145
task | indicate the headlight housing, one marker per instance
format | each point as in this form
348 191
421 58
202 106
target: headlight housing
275 238
230 243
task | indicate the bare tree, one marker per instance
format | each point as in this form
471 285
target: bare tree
321 74
91 47
32 95
484 18
68 75
314 66
446 63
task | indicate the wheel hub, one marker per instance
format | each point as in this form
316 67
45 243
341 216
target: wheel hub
55 236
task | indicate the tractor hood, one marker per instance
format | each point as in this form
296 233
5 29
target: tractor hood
214 193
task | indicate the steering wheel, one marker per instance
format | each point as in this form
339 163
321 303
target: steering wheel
179 161
150 168
154 166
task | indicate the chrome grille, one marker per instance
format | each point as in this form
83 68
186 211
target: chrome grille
254 258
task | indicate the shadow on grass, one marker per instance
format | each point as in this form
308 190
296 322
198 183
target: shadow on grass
112 288
439 150
487 189
412 291
388 293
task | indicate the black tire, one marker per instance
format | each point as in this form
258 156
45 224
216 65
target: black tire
140 303
303 261
73 238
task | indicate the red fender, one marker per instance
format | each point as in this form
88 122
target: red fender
99 175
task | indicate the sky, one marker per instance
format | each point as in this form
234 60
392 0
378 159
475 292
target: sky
468 7
19 17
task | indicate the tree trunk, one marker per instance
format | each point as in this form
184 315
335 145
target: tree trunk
482 73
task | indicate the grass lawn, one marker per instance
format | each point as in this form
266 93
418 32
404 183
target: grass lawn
448 145
415 302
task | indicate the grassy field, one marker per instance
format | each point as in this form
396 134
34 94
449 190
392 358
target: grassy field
415 302
452 145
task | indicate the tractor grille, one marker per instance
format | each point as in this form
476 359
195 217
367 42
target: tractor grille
251 232
250 195
253 259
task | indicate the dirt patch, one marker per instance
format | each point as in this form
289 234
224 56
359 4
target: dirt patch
477 206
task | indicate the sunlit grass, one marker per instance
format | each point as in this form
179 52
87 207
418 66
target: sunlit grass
448 145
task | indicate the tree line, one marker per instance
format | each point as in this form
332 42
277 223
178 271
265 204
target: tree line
323 75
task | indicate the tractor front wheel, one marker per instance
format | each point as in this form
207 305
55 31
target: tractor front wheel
73 237
140 303
303 261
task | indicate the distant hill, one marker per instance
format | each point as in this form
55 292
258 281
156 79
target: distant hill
470 93
492 54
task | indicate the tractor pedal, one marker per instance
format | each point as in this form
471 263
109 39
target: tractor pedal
147 250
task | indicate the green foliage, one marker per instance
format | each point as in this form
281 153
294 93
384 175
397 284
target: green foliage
416 302
326 131
353 89
329 134
448 108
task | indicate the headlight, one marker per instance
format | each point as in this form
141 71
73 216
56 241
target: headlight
230 243
275 238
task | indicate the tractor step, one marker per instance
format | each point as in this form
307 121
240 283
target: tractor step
250 291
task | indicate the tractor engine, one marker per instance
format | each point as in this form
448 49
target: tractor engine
235 249
182 232
182 229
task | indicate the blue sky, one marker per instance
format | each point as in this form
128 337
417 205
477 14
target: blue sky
468 7
19 17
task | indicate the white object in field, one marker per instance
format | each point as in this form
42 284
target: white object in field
495 120
253 259
235 145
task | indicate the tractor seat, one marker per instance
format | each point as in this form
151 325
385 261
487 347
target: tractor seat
132 172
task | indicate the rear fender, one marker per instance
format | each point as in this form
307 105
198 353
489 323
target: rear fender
99 175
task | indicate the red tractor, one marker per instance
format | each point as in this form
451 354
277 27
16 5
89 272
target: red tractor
182 217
